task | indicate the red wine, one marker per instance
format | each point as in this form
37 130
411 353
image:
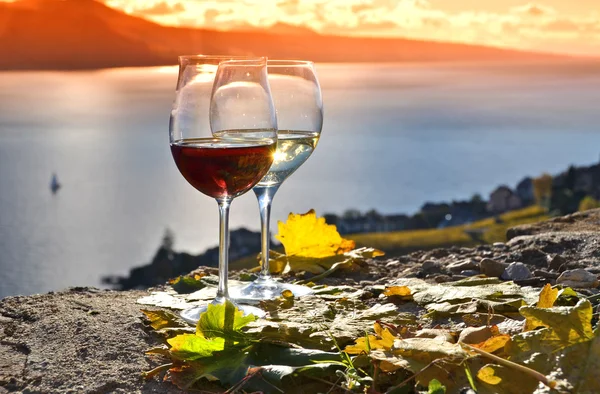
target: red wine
223 168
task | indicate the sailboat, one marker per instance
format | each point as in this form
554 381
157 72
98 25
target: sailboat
54 184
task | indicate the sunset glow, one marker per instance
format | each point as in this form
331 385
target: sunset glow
550 25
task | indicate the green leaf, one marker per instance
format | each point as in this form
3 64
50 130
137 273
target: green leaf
224 321
186 284
193 347
435 387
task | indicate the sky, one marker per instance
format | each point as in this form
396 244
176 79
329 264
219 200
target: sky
561 26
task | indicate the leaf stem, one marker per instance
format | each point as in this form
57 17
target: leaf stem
153 372
531 372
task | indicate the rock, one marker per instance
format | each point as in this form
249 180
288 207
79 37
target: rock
499 245
474 335
516 271
431 267
533 256
442 279
468 264
392 264
578 278
587 221
545 274
555 262
58 346
573 247
492 268
535 282
469 273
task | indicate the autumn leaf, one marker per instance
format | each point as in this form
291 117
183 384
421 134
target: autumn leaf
568 325
306 235
579 365
547 298
494 343
161 319
398 293
383 339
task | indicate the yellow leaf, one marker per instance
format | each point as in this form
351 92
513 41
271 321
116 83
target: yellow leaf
494 343
400 291
548 296
505 380
487 375
568 325
305 235
383 340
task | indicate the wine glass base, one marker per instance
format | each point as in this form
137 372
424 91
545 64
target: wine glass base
261 290
192 315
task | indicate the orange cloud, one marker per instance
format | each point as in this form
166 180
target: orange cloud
163 8
533 9
531 26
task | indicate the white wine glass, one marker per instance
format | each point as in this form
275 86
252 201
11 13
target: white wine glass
297 96
223 134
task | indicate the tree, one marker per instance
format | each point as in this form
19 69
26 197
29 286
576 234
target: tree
542 190
588 202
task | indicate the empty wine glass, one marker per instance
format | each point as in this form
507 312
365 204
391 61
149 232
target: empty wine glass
299 104
223 134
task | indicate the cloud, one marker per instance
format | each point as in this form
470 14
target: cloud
160 9
532 25
533 9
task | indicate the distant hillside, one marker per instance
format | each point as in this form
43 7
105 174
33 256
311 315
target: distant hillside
81 34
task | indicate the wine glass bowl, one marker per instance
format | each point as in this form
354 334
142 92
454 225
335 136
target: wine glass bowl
223 134
299 105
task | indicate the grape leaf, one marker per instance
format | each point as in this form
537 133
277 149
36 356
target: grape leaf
187 284
547 298
579 365
222 320
383 339
305 235
568 325
162 319
435 387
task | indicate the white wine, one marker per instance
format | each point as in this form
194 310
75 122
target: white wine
293 148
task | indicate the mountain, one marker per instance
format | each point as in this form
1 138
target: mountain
83 34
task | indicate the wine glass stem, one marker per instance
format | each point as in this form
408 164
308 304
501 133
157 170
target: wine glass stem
265 197
222 293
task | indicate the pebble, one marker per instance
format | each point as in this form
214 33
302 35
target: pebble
578 278
468 273
431 266
468 264
545 274
516 271
392 264
499 245
555 262
492 268
443 279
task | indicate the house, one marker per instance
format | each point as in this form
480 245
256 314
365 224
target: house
503 199
525 191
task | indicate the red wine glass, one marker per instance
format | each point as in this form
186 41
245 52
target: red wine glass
223 134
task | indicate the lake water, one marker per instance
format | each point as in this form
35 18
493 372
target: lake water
394 137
